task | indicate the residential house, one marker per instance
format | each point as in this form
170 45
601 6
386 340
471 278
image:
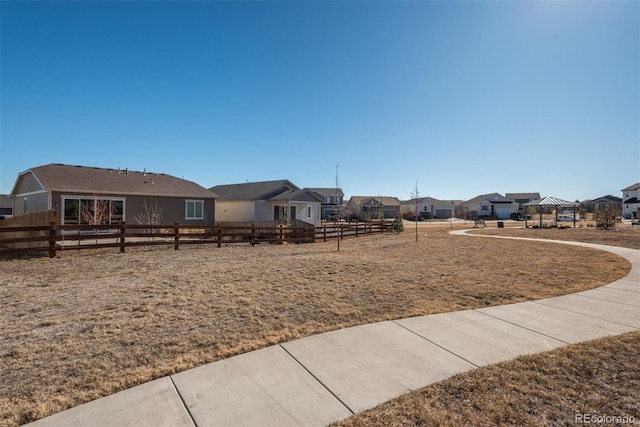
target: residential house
77 193
332 202
428 207
373 207
604 202
492 205
5 206
631 201
280 201
522 198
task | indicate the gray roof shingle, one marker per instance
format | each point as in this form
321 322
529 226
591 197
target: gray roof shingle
262 190
93 180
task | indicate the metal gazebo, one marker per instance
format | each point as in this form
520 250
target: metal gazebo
554 202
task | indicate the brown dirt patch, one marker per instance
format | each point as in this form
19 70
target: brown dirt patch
88 324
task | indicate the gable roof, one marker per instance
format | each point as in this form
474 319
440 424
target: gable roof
426 200
328 192
632 187
262 190
304 194
607 198
93 180
386 200
522 196
491 198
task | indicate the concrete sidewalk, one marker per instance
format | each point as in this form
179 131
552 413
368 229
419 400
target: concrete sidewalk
328 377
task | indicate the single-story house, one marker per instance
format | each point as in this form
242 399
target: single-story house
492 205
522 198
82 194
267 201
370 207
332 202
604 202
428 207
631 201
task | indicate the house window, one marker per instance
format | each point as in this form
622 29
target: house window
308 211
279 213
484 207
194 209
87 210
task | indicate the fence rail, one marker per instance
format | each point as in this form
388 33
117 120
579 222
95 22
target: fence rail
52 238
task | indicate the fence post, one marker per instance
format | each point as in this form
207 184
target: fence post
341 232
219 237
253 234
122 239
281 235
357 229
52 239
176 234
324 233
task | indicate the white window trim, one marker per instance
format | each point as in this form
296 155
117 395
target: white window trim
65 197
186 209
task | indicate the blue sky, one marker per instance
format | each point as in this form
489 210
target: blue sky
465 97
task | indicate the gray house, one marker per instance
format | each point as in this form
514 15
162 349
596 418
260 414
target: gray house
374 207
522 198
492 205
279 201
428 207
79 193
5 206
332 202
604 202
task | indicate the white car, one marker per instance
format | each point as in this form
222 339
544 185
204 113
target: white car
566 218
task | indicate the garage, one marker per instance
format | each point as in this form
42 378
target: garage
504 212
443 213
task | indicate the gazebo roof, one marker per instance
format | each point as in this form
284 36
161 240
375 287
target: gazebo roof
550 201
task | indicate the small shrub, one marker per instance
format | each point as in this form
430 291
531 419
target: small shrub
605 218
398 225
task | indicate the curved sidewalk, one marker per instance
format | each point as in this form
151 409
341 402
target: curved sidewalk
324 378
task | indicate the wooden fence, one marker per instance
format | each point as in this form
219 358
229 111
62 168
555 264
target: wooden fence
29 232
52 238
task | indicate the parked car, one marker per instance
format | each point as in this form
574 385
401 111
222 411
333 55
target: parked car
517 216
566 218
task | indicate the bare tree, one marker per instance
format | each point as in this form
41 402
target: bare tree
151 215
97 212
416 195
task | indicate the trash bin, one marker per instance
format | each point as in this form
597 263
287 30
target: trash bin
500 224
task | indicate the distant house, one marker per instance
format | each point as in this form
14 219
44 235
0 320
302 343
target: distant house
332 202
492 205
267 201
77 192
373 207
604 202
631 201
428 207
522 198
5 205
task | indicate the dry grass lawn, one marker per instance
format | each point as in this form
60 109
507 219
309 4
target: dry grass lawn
85 325
595 378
